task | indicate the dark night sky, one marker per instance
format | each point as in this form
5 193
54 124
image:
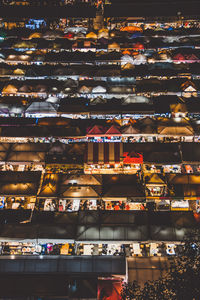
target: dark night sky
124 8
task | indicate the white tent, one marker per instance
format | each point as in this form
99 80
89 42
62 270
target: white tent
15 109
140 59
98 100
135 99
41 109
127 59
75 29
52 99
99 89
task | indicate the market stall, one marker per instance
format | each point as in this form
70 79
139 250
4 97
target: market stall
110 158
19 189
155 185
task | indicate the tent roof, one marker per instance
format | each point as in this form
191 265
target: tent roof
122 186
135 99
183 179
19 183
113 130
99 89
91 35
130 130
178 107
190 152
81 179
98 100
160 153
10 88
154 179
105 226
39 107
96 129
49 186
114 45
187 84
175 130
78 191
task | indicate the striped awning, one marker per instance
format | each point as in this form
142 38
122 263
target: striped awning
104 153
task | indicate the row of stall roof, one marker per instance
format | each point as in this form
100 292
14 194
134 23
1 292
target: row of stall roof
119 187
131 32
101 41
185 55
75 153
66 128
72 86
108 72
100 226
106 187
134 104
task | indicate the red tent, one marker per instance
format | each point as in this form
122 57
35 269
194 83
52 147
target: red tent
113 130
179 57
96 130
69 35
138 46
191 57
132 158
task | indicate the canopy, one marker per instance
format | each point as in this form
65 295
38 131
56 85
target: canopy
96 130
138 46
113 131
131 29
9 89
49 186
99 89
24 44
188 86
41 107
52 34
35 35
135 99
103 33
110 226
140 59
98 100
178 108
19 183
81 179
118 186
135 35
91 35
103 153
127 59
191 152
114 46
130 130
18 72
154 179
52 99
85 89
175 130
184 179
79 192
127 66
